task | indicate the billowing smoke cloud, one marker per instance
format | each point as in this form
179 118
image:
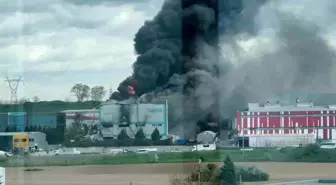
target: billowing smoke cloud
284 55
172 63
210 58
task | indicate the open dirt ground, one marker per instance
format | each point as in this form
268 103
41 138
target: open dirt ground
153 174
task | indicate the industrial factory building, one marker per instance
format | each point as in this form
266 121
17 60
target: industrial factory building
21 120
85 116
11 140
115 117
278 125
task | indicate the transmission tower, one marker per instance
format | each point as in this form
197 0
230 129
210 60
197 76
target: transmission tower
13 85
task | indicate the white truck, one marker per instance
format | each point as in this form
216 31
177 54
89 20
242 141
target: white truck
146 150
115 151
204 147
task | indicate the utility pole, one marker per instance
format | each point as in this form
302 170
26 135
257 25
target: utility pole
13 85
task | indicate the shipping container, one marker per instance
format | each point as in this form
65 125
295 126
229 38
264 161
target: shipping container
182 141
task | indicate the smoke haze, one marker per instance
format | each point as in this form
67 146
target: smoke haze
232 53
287 55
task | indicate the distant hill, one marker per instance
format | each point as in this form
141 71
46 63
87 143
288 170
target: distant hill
48 106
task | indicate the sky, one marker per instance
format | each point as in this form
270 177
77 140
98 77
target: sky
54 44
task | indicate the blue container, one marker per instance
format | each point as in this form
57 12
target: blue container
182 141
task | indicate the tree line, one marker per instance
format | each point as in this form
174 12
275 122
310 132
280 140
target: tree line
84 93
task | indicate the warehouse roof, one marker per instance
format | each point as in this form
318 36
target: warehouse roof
256 107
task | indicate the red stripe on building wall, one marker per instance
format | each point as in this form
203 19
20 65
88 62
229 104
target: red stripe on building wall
286 125
325 131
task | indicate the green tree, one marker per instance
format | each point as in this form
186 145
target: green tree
36 99
156 135
123 135
26 129
33 128
14 129
228 175
140 135
39 128
97 93
75 132
81 91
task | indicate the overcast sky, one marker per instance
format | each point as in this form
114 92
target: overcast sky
54 44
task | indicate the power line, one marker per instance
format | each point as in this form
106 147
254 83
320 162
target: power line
13 85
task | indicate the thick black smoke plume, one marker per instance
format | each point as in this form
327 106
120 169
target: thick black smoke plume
209 58
166 44
168 47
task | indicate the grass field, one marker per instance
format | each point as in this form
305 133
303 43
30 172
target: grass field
258 155
103 159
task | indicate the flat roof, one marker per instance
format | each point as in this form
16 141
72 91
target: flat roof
17 133
81 110
255 107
